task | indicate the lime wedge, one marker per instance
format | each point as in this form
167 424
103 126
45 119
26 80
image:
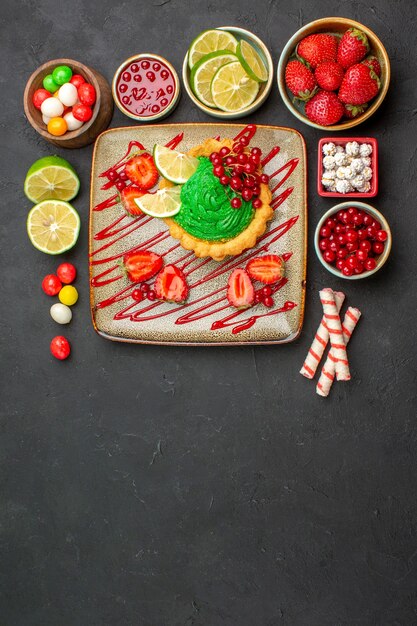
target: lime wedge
164 203
251 62
176 167
51 177
203 72
53 226
232 89
210 41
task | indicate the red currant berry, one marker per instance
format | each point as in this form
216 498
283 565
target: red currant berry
382 235
323 244
123 176
347 270
370 264
238 148
250 182
237 170
255 160
112 176
371 232
334 246
325 231
236 203
352 261
258 297
256 151
244 141
339 229
144 288
256 190
365 245
225 180
342 239
236 183
339 215
329 256
249 168
267 291
358 219
224 151
351 246
264 179
120 185
376 224
340 264
247 194
359 268
242 158
367 219
151 294
378 247
351 236
331 223
342 253
230 160
218 170
214 156
352 211
257 203
137 295
361 255
268 302
362 234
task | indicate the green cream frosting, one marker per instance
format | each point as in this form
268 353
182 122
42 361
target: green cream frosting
205 207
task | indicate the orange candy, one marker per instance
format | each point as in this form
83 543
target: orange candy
57 126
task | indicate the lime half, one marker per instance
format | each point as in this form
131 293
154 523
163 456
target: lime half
176 167
203 72
210 41
164 203
251 62
232 89
51 177
53 226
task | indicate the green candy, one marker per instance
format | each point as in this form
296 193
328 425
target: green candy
62 74
49 84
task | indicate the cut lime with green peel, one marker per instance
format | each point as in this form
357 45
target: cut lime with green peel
203 72
53 226
51 177
251 62
210 41
232 89
164 203
176 167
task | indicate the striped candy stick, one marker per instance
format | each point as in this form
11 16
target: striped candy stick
320 341
334 326
327 373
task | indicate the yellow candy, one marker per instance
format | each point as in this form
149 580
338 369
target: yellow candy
68 295
57 126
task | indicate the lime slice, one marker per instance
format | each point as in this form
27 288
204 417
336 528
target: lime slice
53 226
51 178
210 41
251 62
164 203
203 72
232 89
176 167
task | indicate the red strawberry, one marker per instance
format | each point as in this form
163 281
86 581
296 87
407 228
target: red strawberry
324 108
352 111
240 291
329 75
141 265
300 80
317 48
127 198
360 84
353 47
267 269
141 171
374 64
170 285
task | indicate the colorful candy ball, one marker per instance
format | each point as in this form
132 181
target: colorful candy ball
62 74
49 84
39 96
82 112
52 107
68 94
60 347
61 313
77 80
72 123
57 126
68 295
87 94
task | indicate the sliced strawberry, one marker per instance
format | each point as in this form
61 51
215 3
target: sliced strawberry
267 269
141 265
127 198
170 285
240 291
141 171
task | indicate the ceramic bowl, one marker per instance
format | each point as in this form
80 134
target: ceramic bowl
342 141
102 110
333 25
380 260
265 88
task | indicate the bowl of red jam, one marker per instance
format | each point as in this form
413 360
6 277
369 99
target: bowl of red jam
353 240
146 87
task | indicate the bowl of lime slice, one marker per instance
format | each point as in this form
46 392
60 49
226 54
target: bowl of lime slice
228 72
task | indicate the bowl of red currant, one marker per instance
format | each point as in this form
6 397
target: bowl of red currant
353 240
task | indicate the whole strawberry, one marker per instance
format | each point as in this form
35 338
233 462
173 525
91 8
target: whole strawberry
373 63
300 80
329 75
317 48
353 47
352 111
360 84
324 108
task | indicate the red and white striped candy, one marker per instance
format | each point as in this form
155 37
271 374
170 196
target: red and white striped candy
320 342
327 373
334 326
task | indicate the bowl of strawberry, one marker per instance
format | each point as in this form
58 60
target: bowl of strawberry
333 73
353 240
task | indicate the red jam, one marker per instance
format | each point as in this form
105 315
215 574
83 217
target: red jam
146 87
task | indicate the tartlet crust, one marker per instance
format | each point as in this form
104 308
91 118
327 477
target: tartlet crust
218 250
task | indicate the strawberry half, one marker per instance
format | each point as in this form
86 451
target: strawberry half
240 291
141 170
317 48
300 80
353 47
127 198
267 269
141 265
170 285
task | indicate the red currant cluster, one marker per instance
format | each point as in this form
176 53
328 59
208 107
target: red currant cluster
264 296
118 178
239 169
144 292
351 241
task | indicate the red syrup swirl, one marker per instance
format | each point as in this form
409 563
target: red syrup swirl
149 311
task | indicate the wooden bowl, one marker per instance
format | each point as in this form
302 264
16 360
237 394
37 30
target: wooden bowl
333 25
102 112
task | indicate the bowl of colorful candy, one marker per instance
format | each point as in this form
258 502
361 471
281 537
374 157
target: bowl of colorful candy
353 240
68 103
333 73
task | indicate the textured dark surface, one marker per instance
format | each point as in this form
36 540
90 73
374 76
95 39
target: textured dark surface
163 486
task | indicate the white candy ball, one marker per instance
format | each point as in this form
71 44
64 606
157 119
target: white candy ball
72 123
45 119
52 107
61 313
68 94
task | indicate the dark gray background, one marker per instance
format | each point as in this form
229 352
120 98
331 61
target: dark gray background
162 486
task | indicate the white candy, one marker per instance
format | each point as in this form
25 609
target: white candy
72 123
52 107
68 94
340 159
329 174
329 149
343 186
328 162
45 119
352 148
367 173
340 149
365 187
61 313
365 149
357 182
356 165
366 161
327 182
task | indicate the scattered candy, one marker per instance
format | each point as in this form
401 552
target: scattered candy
61 313
51 285
60 347
68 295
66 273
